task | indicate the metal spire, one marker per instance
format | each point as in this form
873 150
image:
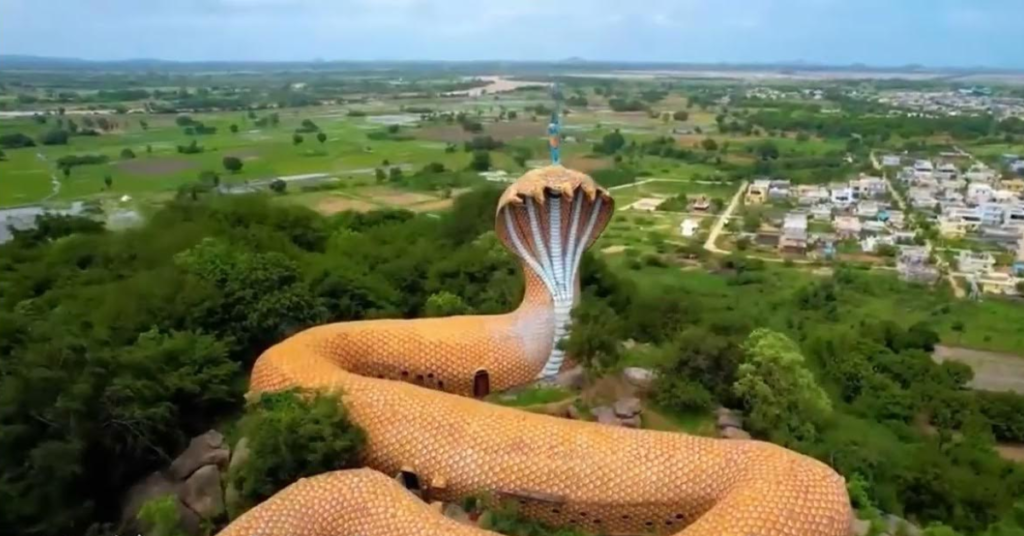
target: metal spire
555 126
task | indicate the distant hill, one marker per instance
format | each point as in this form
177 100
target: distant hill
576 64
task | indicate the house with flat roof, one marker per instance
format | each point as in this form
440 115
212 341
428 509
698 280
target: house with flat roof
847 226
975 262
757 192
868 187
867 209
794 232
891 160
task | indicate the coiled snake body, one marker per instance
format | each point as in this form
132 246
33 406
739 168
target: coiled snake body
400 381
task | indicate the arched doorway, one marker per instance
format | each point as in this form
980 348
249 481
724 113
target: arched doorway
481 384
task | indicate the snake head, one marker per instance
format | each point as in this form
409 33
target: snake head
552 181
548 217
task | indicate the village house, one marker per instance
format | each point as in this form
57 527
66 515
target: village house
872 227
778 190
997 283
946 172
895 218
913 265
821 212
757 192
1014 185
647 204
904 237
847 226
891 160
689 227
842 194
978 193
870 244
794 232
867 209
869 187
807 194
980 173
974 262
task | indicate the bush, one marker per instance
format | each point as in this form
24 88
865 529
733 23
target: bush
232 164
16 140
55 137
291 436
127 153
481 161
278 186
682 394
191 148
73 160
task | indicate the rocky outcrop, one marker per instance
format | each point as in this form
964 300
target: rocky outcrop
571 379
730 424
640 378
205 449
194 479
203 493
624 412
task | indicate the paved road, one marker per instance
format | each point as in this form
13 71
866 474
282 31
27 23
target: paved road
902 204
716 229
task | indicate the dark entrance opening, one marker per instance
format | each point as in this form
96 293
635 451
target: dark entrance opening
481 384
410 480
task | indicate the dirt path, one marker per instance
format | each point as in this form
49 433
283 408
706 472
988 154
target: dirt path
716 229
54 180
992 371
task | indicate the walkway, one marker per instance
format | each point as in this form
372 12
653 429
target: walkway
723 219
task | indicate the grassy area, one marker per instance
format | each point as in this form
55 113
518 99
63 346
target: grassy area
531 396
655 418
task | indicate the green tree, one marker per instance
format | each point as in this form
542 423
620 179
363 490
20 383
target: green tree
595 335
291 436
127 153
681 115
233 128
781 396
160 517
232 163
395 174
767 150
297 139
709 144
278 186
445 304
379 175
481 161
108 181
321 137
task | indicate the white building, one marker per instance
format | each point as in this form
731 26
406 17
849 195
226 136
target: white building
975 262
689 227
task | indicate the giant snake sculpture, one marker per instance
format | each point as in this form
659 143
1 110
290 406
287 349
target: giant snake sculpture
401 381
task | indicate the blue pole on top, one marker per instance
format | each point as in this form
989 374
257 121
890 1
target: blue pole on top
555 126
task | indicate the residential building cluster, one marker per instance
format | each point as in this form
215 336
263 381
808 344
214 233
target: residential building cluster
858 209
952 103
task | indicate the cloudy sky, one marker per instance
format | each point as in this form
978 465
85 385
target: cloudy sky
875 32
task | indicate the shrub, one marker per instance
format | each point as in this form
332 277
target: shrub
278 186
292 436
232 164
55 137
16 140
127 153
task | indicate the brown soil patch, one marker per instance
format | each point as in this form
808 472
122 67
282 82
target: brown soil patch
440 204
504 131
992 371
586 165
156 166
396 197
1011 451
335 205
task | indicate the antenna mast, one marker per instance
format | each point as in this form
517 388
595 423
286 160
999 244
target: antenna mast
555 126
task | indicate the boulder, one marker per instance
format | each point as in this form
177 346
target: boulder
638 377
730 420
895 523
733 433
202 492
205 449
455 512
605 415
627 407
631 422
571 379
860 527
